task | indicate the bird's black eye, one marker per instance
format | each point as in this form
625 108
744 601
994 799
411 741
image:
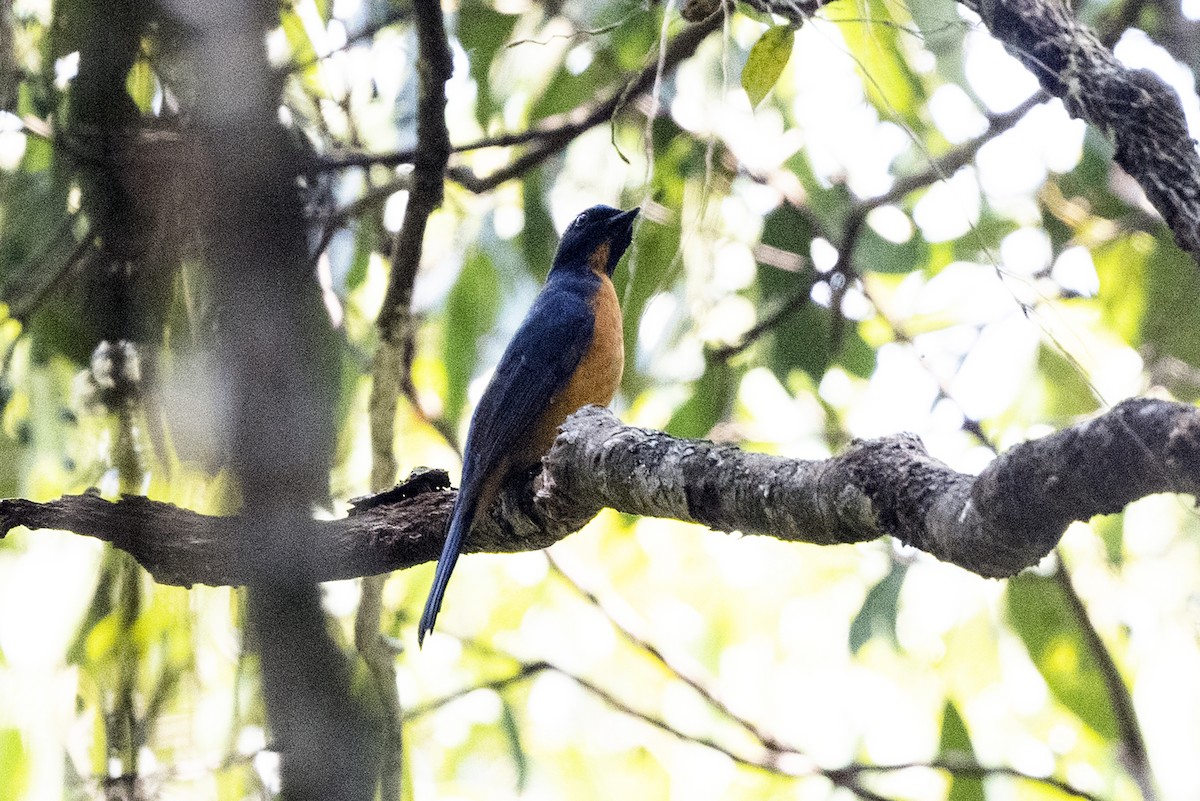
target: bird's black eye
580 220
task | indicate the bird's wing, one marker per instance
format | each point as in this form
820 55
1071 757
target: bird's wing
538 363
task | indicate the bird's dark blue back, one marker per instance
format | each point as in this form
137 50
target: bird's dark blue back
538 362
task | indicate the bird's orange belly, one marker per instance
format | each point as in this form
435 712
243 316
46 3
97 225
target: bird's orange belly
594 381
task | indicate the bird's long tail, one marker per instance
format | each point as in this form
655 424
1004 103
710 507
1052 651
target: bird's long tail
460 523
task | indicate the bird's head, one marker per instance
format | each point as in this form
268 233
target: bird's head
596 240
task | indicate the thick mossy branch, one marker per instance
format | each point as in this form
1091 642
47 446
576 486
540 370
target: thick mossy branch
993 524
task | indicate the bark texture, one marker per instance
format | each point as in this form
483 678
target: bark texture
994 524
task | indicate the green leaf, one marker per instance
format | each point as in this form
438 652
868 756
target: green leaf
366 240
876 45
650 266
567 91
766 61
874 253
1111 531
14 756
297 37
482 32
877 617
803 339
828 203
1121 266
787 229
982 241
712 397
141 84
1045 620
470 314
1065 393
937 20
1172 299
956 742
1089 180
538 238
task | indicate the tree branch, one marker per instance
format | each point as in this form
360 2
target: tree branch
1134 108
391 373
994 524
550 135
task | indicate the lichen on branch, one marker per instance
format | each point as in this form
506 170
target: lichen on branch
994 524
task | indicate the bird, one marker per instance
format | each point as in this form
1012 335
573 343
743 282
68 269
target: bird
568 352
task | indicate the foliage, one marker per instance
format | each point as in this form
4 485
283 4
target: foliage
780 294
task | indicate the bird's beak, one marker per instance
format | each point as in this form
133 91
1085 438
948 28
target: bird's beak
622 224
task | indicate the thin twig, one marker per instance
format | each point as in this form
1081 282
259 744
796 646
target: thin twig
768 741
771 744
1134 757
768 763
792 305
940 169
970 769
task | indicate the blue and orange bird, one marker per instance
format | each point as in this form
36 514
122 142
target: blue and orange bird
568 352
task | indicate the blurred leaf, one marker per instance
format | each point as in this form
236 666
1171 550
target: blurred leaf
482 31
799 341
877 617
1172 300
875 44
539 240
650 265
33 212
567 91
1045 621
873 34
766 61
942 33
802 340
1066 393
1089 180
827 203
101 641
39 156
1111 531
637 35
303 51
1121 267
141 85
873 252
10 456
100 609
855 355
512 732
470 314
366 240
955 741
15 759
710 401
980 243
787 229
